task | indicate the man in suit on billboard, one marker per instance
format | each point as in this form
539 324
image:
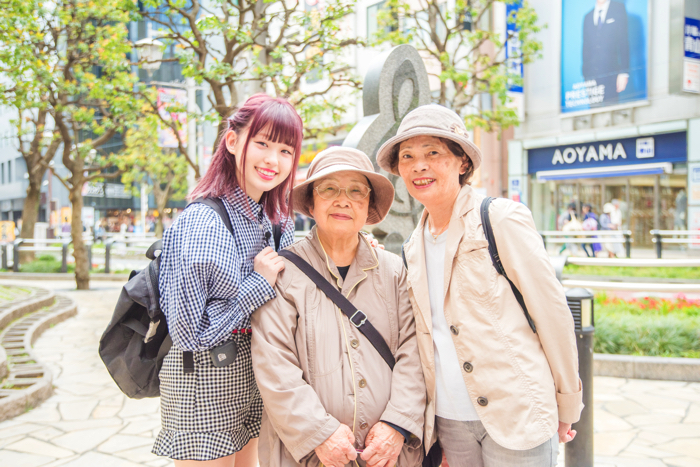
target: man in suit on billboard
606 49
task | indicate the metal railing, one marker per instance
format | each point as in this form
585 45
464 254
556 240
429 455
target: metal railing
589 237
560 262
43 245
683 237
131 245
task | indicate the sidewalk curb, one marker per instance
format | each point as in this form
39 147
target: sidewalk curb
17 401
637 367
61 276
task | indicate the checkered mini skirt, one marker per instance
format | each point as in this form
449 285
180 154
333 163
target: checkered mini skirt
212 412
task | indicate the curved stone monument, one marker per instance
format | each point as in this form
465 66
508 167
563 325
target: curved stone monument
396 84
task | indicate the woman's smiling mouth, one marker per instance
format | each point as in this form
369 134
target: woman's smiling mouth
422 183
341 217
266 174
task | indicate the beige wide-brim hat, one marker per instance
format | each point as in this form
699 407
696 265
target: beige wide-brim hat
428 120
341 159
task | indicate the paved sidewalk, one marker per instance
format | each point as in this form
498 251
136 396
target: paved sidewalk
88 422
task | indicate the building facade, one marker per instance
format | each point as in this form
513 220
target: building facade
612 112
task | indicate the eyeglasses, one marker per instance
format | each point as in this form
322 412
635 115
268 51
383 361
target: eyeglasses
354 191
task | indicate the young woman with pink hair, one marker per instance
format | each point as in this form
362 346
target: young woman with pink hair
211 280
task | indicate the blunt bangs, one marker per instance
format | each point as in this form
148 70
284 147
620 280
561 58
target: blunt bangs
280 123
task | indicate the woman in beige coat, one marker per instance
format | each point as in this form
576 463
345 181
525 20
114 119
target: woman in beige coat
329 396
499 394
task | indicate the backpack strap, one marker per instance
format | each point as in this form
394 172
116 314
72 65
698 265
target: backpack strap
218 206
277 235
403 253
356 317
496 260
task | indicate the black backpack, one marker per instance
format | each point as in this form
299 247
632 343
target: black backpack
137 340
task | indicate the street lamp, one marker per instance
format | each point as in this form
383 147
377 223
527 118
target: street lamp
151 52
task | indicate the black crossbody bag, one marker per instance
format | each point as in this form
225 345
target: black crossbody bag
356 317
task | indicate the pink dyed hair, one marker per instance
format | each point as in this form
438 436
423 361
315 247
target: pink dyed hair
257 113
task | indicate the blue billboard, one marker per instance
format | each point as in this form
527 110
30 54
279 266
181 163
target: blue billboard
669 147
603 53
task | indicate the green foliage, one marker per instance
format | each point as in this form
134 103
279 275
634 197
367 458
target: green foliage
44 264
72 56
650 326
655 272
143 161
279 47
468 63
69 57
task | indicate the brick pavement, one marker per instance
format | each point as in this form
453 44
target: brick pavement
89 422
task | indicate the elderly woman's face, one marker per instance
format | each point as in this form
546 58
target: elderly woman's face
429 169
341 215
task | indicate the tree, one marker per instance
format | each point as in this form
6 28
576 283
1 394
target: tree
281 46
37 142
75 53
145 162
467 51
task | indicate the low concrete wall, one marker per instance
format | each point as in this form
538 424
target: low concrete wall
660 368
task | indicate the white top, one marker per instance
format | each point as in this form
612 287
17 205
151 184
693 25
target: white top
452 397
600 12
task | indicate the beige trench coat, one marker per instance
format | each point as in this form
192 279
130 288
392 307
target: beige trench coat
315 370
529 381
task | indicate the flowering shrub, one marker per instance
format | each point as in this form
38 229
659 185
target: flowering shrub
648 326
657 305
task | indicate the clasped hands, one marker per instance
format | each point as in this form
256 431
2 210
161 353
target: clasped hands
382 447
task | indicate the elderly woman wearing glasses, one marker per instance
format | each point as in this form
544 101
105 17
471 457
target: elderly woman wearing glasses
330 396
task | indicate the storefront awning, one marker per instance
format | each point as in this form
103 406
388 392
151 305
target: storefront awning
603 172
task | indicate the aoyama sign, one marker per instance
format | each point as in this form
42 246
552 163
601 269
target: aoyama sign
670 147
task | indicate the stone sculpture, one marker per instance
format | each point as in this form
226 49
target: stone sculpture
396 84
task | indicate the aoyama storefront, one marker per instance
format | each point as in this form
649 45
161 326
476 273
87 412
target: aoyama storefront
647 175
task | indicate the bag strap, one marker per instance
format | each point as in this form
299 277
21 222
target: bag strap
218 206
356 317
403 254
277 235
496 260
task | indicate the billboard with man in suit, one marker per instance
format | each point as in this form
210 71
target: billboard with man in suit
604 53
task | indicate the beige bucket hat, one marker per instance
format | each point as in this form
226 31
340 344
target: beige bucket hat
428 120
342 159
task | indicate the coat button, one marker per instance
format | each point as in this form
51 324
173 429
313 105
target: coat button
354 343
482 401
454 330
364 426
468 367
362 383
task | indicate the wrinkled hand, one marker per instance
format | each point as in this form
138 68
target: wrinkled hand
566 434
337 450
622 82
382 446
268 264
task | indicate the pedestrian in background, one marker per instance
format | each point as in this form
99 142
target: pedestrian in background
590 223
499 394
211 281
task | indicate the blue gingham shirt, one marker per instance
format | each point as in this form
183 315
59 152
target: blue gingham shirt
207 284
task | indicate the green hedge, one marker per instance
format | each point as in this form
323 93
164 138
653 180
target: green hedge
655 272
649 326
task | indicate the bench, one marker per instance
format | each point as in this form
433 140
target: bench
683 237
588 237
